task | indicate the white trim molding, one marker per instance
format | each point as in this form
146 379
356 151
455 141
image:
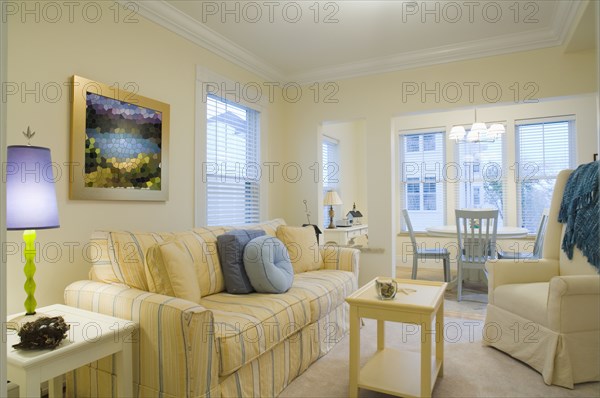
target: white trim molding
565 21
208 82
3 125
182 24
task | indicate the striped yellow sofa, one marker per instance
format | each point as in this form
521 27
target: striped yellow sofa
225 345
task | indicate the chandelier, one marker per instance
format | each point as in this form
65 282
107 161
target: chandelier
478 132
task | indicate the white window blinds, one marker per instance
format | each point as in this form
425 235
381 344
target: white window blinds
422 160
232 169
544 147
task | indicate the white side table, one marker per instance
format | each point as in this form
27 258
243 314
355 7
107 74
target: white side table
390 371
344 236
92 336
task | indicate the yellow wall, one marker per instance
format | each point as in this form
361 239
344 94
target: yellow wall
163 67
377 99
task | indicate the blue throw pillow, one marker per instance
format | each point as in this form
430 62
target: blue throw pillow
268 265
231 254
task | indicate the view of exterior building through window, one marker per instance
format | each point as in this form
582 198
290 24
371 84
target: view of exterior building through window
482 176
422 162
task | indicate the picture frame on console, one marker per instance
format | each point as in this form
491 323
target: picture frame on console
119 144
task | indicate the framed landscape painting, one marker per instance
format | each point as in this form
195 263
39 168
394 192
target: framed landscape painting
119 144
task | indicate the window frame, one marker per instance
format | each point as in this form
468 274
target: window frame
208 82
480 167
582 106
326 171
402 185
571 153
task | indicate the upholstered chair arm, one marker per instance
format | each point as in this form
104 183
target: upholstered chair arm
574 303
176 349
340 258
504 272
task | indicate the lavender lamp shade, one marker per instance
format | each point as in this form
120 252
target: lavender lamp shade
30 193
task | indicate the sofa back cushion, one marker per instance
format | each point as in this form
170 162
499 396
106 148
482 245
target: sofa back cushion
302 246
120 256
127 254
171 271
202 245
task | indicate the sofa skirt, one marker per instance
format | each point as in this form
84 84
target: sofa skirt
563 359
267 375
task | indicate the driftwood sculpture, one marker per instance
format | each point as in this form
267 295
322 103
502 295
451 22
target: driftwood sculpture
43 333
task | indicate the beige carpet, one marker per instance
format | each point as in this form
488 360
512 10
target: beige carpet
470 369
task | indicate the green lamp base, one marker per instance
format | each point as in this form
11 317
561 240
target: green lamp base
29 270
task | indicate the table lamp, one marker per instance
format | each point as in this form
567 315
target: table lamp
30 205
331 199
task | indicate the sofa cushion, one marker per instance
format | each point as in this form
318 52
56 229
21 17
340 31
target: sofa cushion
268 266
512 296
202 244
171 270
127 254
231 254
324 290
302 246
249 325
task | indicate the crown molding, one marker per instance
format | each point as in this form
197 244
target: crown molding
182 24
164 14
434 56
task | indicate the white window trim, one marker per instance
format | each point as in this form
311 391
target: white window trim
3 131
208 81
572 151
337 209
582 106
400 194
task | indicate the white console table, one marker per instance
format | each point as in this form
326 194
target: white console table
344 236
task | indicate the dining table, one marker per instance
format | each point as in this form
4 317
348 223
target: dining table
449 231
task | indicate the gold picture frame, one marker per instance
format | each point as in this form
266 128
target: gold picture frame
119 144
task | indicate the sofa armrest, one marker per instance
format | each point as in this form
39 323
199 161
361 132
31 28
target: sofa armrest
176 353
574 303
340 258
504 272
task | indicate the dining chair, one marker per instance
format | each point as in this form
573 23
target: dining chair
476 233
422 253
537 246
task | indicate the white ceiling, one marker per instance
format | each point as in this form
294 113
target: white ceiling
289 40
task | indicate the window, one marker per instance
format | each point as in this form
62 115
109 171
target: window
422 186
413 194
232 169
481 177
429 142
331 168
412 143
544 147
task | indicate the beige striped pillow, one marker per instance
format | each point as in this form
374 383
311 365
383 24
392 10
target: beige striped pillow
171 271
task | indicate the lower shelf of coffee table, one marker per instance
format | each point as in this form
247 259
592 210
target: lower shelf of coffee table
396 372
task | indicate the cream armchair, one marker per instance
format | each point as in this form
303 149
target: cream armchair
546 312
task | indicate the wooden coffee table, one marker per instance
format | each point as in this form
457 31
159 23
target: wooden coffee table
392 371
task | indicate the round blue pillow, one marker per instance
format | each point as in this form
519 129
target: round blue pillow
268 265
